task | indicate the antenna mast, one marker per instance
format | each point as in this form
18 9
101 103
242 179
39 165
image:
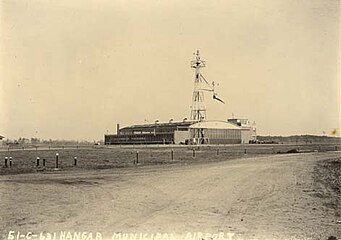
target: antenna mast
198 109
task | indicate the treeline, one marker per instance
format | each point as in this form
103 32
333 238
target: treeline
300 139
49 142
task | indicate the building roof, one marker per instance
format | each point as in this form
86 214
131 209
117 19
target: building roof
169 124
214 125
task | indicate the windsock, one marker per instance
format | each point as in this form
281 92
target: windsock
216 98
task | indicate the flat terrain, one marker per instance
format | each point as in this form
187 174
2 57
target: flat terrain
279 196
106 157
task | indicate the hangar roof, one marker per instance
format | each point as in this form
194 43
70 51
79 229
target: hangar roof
215 125
159 125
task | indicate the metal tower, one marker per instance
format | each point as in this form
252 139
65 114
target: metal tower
198 109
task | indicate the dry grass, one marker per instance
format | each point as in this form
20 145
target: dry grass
24 161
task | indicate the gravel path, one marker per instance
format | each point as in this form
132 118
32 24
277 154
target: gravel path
268 197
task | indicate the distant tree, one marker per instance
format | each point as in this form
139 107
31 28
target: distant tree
35 140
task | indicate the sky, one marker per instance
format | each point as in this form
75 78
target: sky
74 69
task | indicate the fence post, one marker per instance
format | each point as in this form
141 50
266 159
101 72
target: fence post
10 161
43 162
172 154
6 160
245 151
57 156
193 152
137 157
37 161
75 161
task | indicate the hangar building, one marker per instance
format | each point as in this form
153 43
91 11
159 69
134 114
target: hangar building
186 132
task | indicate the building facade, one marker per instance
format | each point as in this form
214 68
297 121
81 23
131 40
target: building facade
186 132
248 132
157 133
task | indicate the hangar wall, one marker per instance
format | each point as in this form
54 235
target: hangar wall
189 132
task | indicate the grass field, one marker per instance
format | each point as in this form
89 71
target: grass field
101 157
268 196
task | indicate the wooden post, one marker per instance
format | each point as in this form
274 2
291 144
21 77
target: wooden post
75 161
193 152
37 161
57 156
6 160
137 157
43 162
172 154
10 161
245 151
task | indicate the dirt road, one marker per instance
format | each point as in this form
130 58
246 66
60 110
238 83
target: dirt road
272 197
